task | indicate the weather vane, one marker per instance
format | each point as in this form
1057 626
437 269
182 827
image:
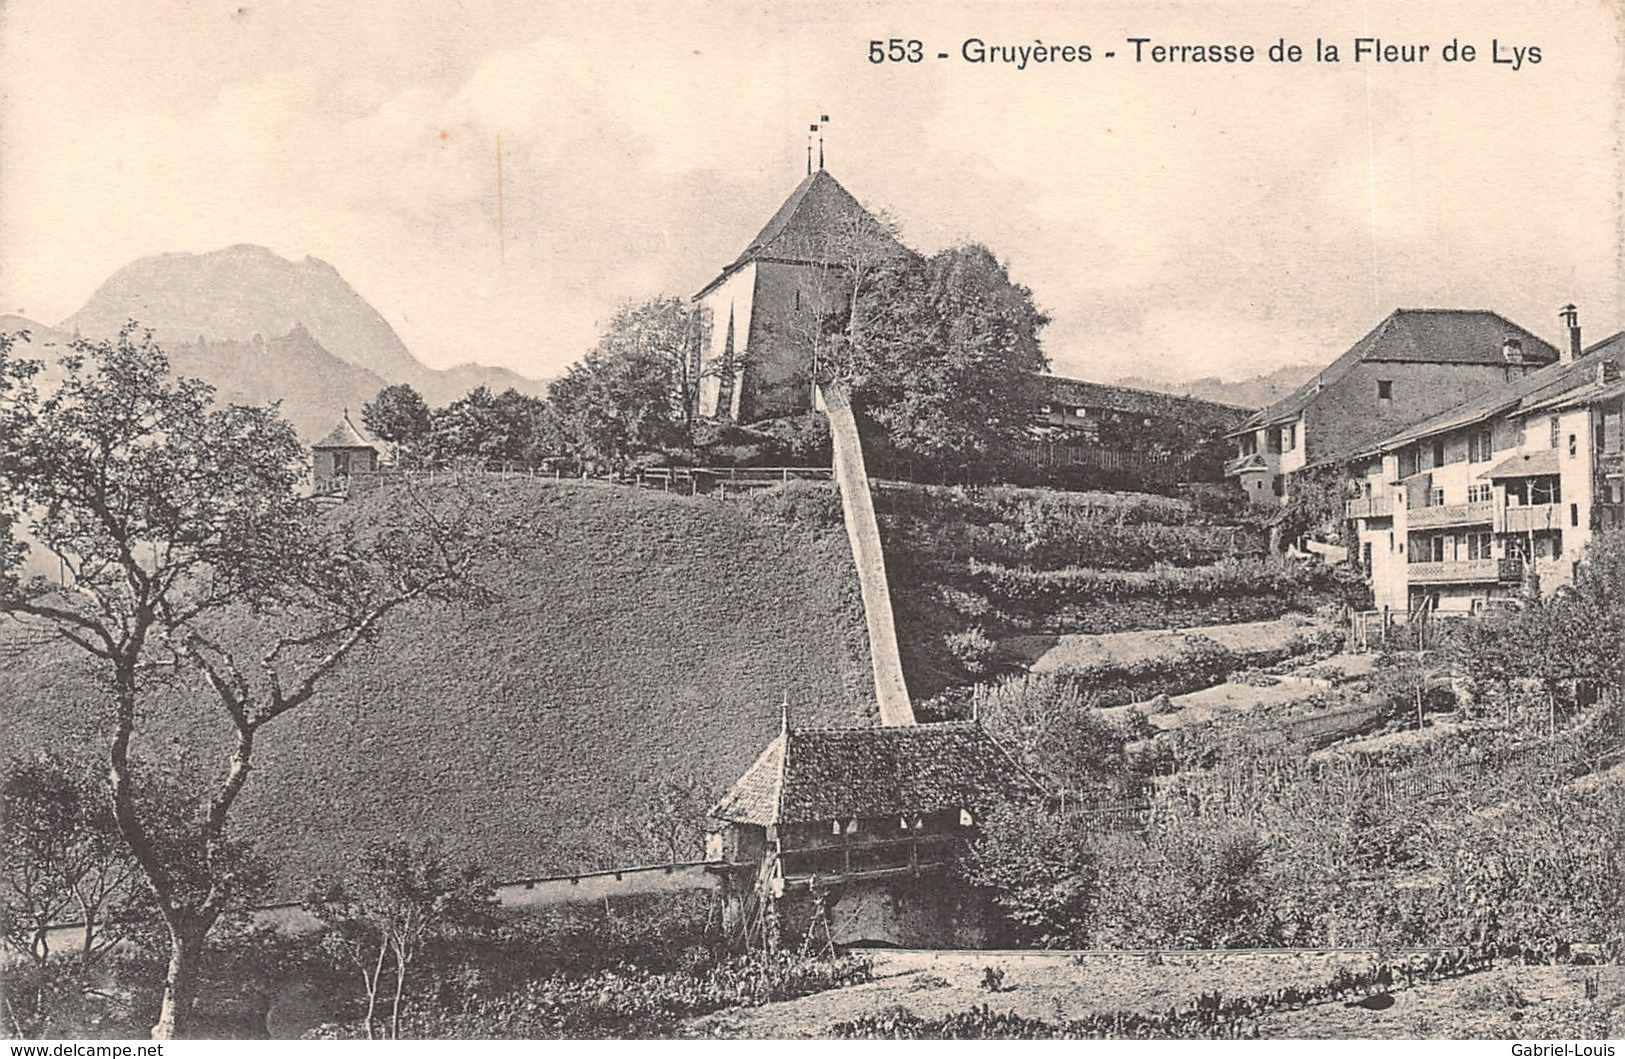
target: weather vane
817 126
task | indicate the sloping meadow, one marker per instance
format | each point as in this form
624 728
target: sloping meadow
634 637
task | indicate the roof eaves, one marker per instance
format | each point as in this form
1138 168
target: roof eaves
1456 421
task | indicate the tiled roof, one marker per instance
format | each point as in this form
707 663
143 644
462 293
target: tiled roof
816 224
1139 402
1422 336
754 797
816 774
346 436
1549 384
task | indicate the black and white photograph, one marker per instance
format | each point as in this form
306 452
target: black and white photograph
853 520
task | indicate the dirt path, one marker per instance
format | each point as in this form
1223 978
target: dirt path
1509 1001
1075 651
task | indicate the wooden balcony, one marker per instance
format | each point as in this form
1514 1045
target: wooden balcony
1532 518
1370 507
1481 512
862 859
1457 572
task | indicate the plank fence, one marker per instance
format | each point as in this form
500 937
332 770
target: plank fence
719 482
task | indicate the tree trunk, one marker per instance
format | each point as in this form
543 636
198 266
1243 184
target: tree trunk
180 986
400 987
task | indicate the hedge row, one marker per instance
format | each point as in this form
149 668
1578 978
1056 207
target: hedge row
1229 579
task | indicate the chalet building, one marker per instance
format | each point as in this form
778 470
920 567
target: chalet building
346 450
863 826
760 319
1499 494
1416 363
1119 428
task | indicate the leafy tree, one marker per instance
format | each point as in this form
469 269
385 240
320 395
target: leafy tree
398 899
1192 885
630 393
484 427
1557 645
1054 729
170 516
61 859
943 354
1042 869
398 415
1315 507
1594 615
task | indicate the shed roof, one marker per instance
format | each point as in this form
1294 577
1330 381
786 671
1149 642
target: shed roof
1525 465
814 774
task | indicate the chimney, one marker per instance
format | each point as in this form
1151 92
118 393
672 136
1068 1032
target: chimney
1571 319
1512 350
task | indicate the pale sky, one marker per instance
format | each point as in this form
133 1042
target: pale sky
1174 221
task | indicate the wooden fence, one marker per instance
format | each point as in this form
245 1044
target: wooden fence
721 482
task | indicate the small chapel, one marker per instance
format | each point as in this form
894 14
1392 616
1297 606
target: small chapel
762 319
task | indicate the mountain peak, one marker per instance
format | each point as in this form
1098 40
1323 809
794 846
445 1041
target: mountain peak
238 292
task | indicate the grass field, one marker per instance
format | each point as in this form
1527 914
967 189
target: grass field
636 636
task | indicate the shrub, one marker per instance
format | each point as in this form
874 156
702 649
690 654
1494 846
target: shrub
628 1002
971 649
815 505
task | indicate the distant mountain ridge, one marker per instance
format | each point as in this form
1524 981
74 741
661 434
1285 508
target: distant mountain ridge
314 386
1254 392
219 302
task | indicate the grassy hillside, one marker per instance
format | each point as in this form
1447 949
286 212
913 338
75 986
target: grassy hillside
638 636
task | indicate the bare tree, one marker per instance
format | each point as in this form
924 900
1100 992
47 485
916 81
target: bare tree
179 525
397 898
60 858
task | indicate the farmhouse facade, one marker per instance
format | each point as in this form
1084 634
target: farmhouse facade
1416 363
1157 435
863 826
1499 495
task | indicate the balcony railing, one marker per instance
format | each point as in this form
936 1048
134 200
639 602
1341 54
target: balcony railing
1250 462
1530 519
1370 507
1468 570
858 858
1480 511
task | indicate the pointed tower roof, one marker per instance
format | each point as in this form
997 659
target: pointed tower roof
346 436
819 224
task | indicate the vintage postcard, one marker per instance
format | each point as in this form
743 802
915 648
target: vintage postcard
820 520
